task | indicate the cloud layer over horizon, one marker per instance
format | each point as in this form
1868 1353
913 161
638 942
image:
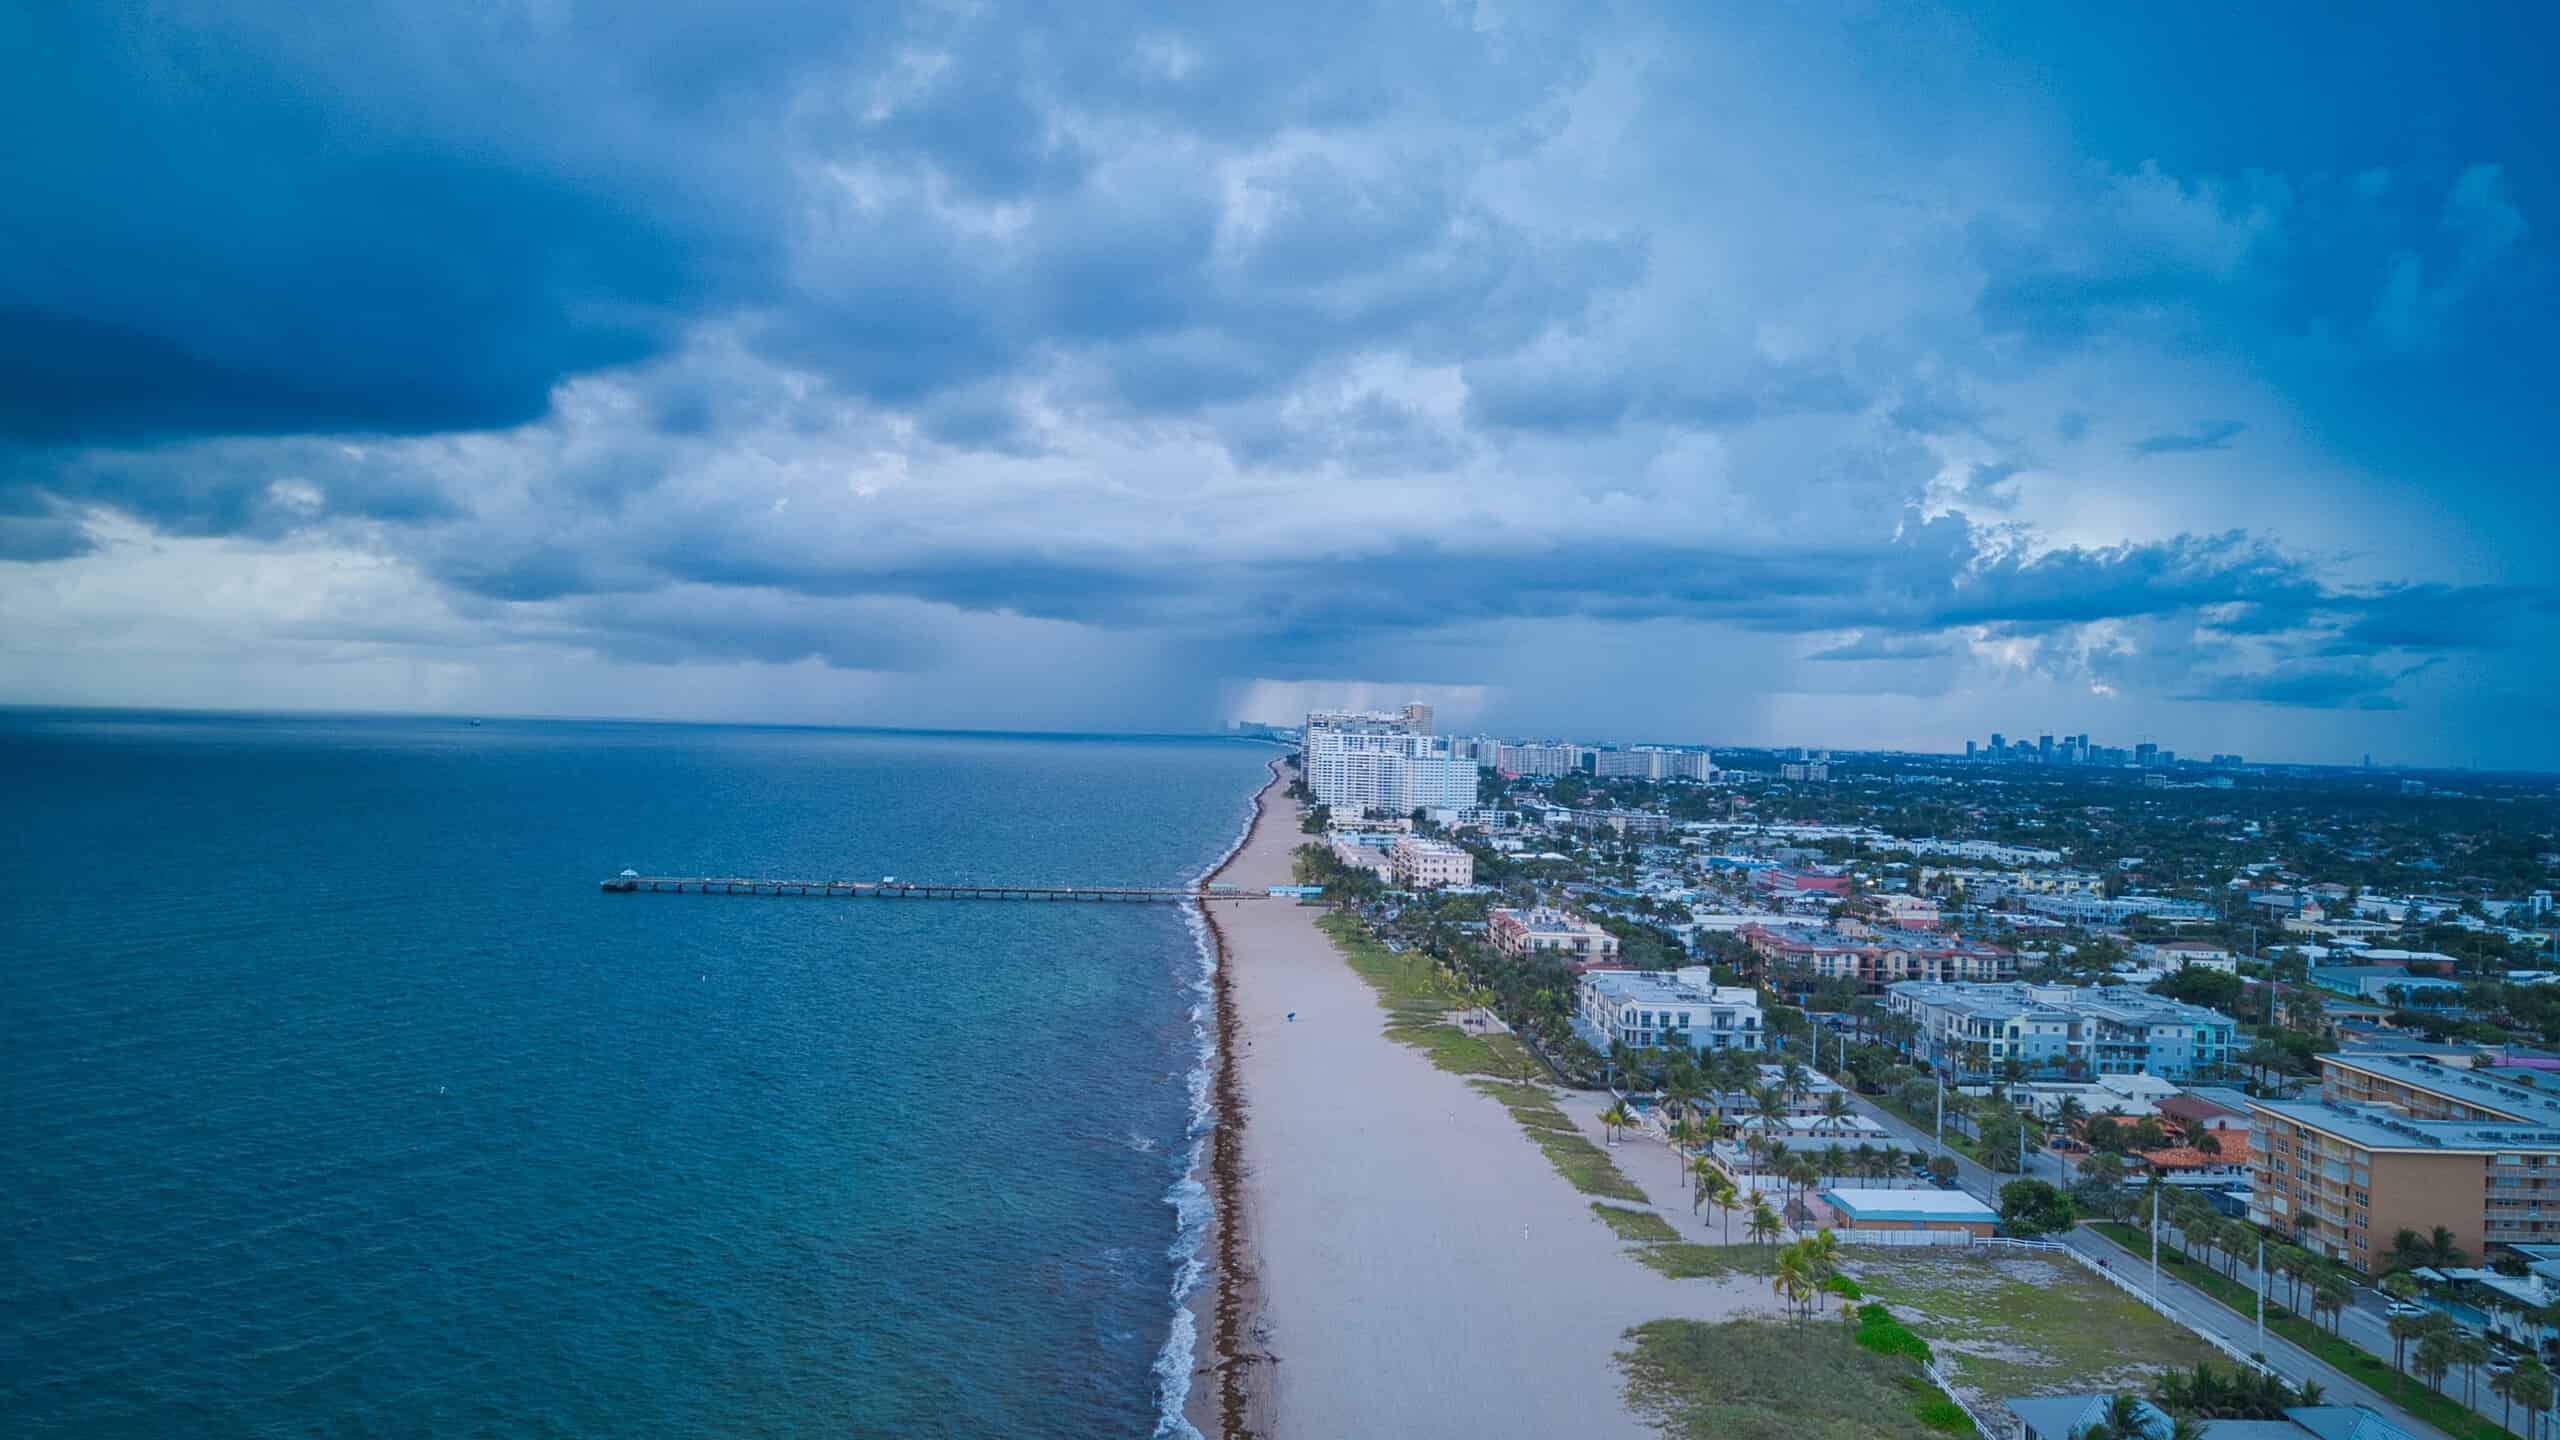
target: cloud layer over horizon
1838 376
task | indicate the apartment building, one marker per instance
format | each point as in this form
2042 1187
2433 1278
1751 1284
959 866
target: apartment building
1356 770
2103 1030
1539 759
1419 864
2407 1143
2087 909
1875 958
1642 1008
1544 930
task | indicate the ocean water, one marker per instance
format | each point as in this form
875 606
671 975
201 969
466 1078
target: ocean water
340 1102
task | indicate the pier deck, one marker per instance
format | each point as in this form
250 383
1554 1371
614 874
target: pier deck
907 890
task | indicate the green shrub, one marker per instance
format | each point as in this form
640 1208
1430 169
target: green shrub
1879 1332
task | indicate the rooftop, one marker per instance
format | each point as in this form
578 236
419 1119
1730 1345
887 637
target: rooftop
2470 1087
2379 1127
1908 1205
1546 920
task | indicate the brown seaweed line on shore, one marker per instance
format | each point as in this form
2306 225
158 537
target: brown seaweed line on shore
1235 1280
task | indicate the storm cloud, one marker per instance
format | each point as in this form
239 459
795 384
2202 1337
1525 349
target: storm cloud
837 363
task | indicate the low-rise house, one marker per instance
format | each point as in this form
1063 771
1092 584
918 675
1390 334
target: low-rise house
2188 955
1904 1210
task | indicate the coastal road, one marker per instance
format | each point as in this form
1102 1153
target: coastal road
2191 1307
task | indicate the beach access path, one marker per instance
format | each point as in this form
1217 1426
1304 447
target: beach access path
1422 1270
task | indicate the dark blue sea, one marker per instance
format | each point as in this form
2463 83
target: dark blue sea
337 1100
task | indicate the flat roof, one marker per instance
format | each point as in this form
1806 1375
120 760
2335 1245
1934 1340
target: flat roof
2379 1127
1908 1205
2471 1087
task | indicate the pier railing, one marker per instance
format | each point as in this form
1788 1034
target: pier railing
889 889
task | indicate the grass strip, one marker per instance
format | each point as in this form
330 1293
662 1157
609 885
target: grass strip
1686 1260
1641 1226
1418 994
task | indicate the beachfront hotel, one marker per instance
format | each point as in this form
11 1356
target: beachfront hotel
2407 1143
1683 1007
1419 864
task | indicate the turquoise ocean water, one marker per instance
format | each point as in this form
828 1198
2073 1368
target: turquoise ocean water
340 1102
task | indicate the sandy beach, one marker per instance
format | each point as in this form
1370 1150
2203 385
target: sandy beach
1407 1262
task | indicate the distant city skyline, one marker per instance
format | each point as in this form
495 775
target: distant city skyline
1873 375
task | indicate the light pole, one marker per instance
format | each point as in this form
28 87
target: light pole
2155 1243
2262 1295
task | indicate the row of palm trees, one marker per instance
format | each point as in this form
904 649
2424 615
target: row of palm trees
1803 1273
1714 1187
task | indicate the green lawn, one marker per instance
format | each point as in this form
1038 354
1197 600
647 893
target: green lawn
2009 1323
2406 1391
1683 1260
1642 1226
1778 1380
1418 997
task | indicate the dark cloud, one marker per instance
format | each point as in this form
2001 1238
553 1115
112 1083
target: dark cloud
2310 687
2207 435
1983 486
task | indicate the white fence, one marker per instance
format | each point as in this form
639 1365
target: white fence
1996 1425
1904 1239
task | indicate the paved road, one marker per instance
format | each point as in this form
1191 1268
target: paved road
2191 1306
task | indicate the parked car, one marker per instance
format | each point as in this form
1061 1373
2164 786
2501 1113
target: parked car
2404 1307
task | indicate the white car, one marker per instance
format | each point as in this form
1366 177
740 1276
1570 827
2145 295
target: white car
2399 1308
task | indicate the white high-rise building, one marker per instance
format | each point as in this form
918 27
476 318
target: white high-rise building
1399 774
1539 759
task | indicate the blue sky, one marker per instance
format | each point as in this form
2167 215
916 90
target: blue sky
1831 374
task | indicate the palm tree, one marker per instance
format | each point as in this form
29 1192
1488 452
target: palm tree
2503 1386
2471 1352
2070 1115
2125 1418
2404 1328
2532 1390
1802 1173
1615 1119
1835 1162
2329 1297
1835 1106
1765 1224
2442 1253
1792 1280
2408 1250
2435 1357
1723 1194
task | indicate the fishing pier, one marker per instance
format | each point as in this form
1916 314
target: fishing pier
629 883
